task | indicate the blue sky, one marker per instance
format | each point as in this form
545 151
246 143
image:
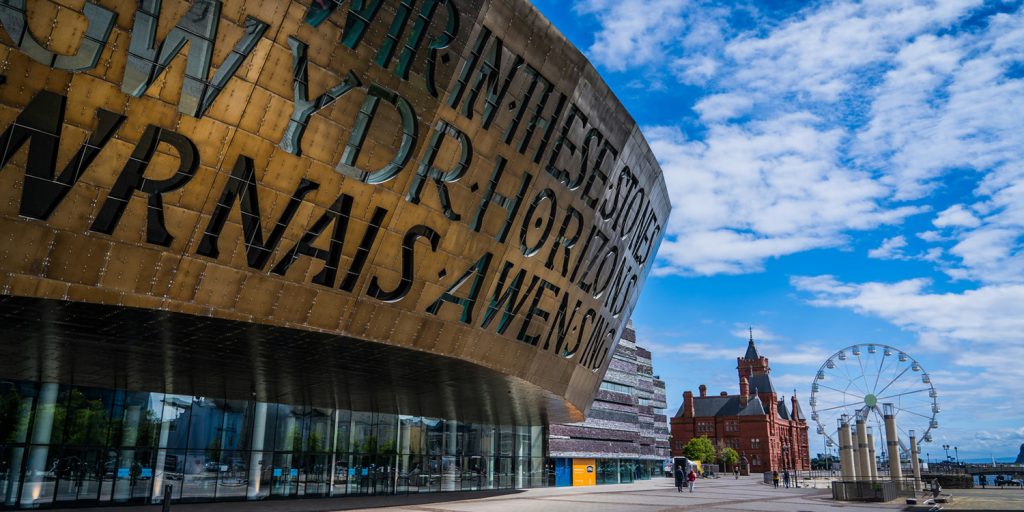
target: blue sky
841 173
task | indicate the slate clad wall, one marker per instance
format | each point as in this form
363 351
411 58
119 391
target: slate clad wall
618 425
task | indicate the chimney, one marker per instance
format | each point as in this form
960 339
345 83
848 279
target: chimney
688 404
703 391
744 391
794 409
724 393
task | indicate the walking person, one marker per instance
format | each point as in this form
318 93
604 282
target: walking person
736 471
982 480
785 478
691 478
775 478
679 478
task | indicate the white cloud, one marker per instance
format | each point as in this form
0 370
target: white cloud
947 105
974 339
765 189
820 52
743 331
956 216
722 107
891 249
697 70
785 383
694 350
633 33
841 118
990 314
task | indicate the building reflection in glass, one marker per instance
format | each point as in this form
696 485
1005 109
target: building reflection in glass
62 444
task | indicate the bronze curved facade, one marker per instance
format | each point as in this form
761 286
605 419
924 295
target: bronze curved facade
430 207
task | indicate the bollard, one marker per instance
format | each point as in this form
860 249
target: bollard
168 491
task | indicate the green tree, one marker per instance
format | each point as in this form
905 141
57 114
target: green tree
728 456
13 417
699 448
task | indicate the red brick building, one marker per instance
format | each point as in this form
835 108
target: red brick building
757 422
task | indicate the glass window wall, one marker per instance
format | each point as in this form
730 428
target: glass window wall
71 445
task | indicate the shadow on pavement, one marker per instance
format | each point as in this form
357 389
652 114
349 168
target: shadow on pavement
316 504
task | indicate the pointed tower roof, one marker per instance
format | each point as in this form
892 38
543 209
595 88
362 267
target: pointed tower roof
751 349
754 407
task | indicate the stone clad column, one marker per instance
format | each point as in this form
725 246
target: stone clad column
914 464
893 443
872 460
846 456
863 470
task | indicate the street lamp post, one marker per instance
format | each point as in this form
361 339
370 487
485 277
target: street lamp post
957 452
946 448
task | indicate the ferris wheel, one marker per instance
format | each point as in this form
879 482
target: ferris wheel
860 379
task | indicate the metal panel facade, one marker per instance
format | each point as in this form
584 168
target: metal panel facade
274 182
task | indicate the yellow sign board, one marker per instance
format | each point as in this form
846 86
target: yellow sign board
584 472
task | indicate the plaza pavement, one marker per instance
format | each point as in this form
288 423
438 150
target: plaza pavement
724 494
1007 498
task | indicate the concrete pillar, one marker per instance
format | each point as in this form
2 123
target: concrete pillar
256 462
914 464
846 457
42 427
893 443
863 469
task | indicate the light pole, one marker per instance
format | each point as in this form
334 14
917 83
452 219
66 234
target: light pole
946 448
957 452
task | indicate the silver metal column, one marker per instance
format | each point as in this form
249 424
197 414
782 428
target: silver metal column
129 437
159 470
42 427
448 472
334 452
259 431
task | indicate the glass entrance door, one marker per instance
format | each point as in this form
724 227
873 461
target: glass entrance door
285 475
79 473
